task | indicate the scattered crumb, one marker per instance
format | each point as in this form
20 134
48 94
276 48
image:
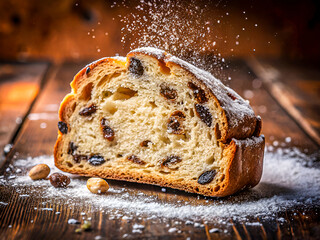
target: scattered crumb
73 221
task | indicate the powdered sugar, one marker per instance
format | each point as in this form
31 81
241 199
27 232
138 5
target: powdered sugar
287 182
159 54
249 142
184 28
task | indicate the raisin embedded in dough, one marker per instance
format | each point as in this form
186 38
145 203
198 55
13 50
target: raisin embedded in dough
145 143
136 67
207 177
72 148
198 93
135 159
88 111
167 92
63 127
171 161
79 157
108 132
96 160
174 124
88 70
204 114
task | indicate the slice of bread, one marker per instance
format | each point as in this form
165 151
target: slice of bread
153 118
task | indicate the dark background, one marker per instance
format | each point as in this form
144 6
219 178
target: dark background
62 29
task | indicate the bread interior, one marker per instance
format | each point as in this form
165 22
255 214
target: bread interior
143 112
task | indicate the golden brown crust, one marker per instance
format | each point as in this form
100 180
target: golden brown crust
245 169
65 110
80 77
243 149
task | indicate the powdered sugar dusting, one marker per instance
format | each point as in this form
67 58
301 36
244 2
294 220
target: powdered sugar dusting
237 109
287 182
160 54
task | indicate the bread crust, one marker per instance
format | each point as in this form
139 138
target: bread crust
243 147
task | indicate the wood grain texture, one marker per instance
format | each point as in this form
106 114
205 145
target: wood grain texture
19 86
297 88
22 218
276 124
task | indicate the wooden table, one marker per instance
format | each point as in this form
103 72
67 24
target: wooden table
286 95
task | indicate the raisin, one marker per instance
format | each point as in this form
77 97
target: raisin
135 67
72 151
78 158
204 114
63 127
135 159
207 177
170 161
173 126
108 133
175 121
96 160
168 92
59 180
88 110
145 143
72 148
231 96
198 93
88 70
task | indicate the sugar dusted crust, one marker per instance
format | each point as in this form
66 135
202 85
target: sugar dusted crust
218 131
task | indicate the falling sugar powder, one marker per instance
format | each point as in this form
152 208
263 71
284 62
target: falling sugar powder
288 181
186 29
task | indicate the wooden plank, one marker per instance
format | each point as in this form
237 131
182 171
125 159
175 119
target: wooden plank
296 87
41 123
19 86
38 135
276 124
